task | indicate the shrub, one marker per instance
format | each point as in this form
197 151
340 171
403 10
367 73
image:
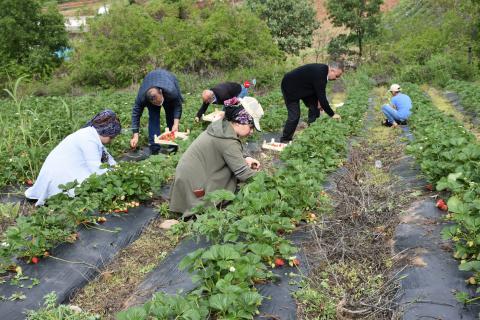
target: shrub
122 46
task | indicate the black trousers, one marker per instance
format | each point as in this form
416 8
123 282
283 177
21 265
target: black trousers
293 108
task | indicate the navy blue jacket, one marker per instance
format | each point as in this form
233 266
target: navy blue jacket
166 81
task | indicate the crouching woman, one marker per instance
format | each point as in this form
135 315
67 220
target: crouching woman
215 160
77 157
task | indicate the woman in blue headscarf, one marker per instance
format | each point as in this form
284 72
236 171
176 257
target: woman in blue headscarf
77 157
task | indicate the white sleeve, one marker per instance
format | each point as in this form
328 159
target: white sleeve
92 155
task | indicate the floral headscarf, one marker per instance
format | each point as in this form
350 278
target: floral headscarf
106 123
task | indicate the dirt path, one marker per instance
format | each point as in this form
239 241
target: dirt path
352 257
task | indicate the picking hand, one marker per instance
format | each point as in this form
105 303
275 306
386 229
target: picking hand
252 163
336 116
197 119
134 141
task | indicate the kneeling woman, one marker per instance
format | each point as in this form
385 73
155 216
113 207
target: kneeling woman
215 160
77 157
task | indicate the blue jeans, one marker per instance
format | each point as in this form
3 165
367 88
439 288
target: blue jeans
243 93
154 124
393 115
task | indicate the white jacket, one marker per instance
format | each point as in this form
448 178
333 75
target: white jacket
76 157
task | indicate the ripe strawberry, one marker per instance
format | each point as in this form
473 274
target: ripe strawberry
443 207
429 187
246 84
279 262
35 260
29 182
440 203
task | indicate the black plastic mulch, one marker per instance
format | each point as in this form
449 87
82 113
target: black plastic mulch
430 281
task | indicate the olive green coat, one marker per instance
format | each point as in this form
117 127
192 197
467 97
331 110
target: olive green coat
213 161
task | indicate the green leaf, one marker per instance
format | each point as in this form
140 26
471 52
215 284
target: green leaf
261 249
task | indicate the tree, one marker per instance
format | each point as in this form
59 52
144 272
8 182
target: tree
291 22
30 35
362 17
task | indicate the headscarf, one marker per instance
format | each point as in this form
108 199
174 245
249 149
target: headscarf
106 123
235 112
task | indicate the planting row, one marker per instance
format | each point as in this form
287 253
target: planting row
33 126
248 237
449 155
469 94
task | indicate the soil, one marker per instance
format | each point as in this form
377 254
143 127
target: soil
108 292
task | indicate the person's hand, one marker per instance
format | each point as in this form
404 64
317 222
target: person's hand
134 141
175 128
197 119
336 116
252 163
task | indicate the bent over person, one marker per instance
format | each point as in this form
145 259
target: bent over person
220 93
307 83
78 156
215 160
159 88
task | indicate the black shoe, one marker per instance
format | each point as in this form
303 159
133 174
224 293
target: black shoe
402 122
387 123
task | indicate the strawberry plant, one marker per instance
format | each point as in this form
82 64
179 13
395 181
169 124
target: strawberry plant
249 235
449 155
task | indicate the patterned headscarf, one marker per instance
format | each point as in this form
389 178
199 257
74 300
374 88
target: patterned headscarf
106 123
235 112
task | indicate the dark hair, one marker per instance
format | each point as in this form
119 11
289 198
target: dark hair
337 65
150 96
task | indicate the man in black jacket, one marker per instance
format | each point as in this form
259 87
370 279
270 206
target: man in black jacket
307 83
220 93
159 88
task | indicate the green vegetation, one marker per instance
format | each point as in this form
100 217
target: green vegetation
449 155
469 94
248 236
291 22
359 16
30 36
124 45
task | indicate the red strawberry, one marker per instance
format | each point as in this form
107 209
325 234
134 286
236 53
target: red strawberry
279 262
440 203
443 207
429 187
29 182
35 260
246 84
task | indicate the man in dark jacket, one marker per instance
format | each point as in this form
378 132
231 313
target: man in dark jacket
307 83
159 88
220 93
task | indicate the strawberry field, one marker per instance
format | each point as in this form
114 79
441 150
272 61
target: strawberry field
250 240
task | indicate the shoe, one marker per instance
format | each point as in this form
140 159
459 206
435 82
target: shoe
387 123
402 122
